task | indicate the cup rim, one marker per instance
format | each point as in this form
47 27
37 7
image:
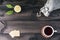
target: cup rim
43 33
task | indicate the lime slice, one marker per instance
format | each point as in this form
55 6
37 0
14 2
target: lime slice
17 8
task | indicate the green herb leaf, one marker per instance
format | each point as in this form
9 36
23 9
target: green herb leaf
9 6
9 12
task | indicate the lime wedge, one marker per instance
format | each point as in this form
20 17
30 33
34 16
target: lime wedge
9 12
9 6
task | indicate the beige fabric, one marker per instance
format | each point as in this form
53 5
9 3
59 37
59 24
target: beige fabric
14 33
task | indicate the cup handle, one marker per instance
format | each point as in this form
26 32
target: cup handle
55 30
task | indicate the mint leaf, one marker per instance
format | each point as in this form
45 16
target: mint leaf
9 12
9 6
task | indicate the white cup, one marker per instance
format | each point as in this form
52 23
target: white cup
43 31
